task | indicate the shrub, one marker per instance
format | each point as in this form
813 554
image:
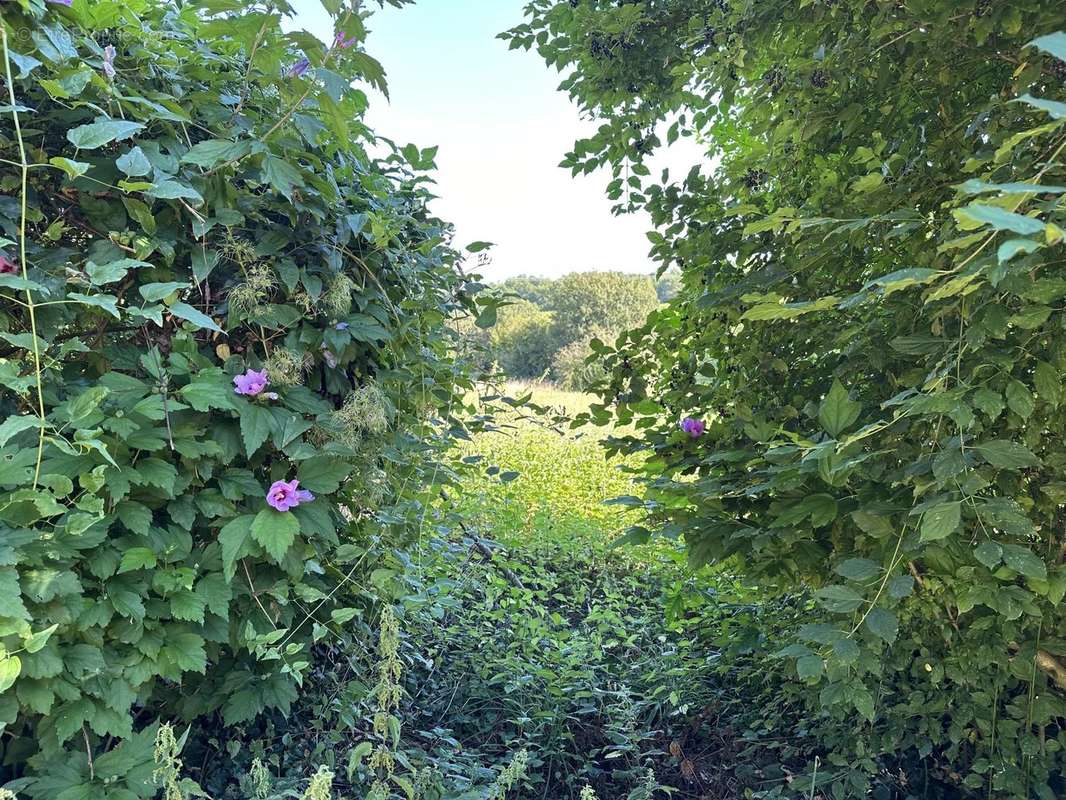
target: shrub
523 340
189 204
576 366
870 326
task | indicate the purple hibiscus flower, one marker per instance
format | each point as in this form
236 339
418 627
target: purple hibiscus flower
284 495
7 266
299 68
340 40
693 427
251 382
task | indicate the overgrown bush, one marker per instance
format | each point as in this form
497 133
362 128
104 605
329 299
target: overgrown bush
523 340
227 382
870 325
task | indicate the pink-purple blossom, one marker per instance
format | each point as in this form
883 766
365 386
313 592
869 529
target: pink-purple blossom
284 495
251 382
693 427
299 68
340 40
7 266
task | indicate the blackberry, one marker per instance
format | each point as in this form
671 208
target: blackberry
755 178
774 78
820 79
1058 69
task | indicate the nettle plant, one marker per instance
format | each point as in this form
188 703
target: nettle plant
226 379
871 330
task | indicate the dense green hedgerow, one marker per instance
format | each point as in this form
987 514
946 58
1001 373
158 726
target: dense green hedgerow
188 196
870 323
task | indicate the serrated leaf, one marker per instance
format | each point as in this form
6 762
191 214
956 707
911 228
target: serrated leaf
275 531
323 474
1024 561
941 521
233 539
839 599
1005 454
858 569
883 624
989 554
809 667
256 426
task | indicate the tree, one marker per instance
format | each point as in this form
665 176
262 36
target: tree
583 301
872 259
534 288
523 340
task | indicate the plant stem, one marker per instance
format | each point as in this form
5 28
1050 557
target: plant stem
24 168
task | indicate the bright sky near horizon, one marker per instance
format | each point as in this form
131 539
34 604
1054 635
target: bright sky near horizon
502 128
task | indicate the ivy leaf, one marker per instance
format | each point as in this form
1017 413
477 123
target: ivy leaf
838 411
1024 561
883 624
275 531
941 521
197 318
103 131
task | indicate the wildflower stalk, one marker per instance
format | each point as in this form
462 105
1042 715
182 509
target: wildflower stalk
24 172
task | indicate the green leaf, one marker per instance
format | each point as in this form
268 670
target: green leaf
858 569
154 292
137 558
883 624
210 152
203 395
1005 454
107 302
1020 399
282 175
197 318
989 554
941 521
103 131
169 189
256 426
10 667
74 169
1024 561
101 274
233 539
977 214
275 531
1054 108
809 667
900 586
838 598
15 424
134 163
838 411
323 474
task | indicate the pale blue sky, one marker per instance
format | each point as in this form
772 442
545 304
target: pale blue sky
502 129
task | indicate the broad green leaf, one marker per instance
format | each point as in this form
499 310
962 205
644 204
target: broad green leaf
809 667
838 598
10 667
171 189
989 554
196 317
257 423
282 175
101 274
941 521
154 292
858 569
977 214
838 411
1054 43
211 152
1054 108
1024 561
74 169
107 302
275 531
1006 454
103 131
883 624
134 163
234 538
323 474
15 424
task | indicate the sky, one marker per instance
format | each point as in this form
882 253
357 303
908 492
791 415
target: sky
502 128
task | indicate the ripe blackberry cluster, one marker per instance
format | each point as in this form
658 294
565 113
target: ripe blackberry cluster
1058 69
820 78
755 178
774 78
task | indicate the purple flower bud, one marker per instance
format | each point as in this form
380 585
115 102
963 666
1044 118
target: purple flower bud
109 61
693 427
284 495
299 68
251 382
